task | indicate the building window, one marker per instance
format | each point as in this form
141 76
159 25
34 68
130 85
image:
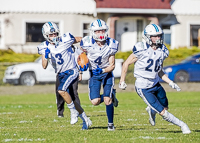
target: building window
139 30
34 32
86 31
167 36
194 35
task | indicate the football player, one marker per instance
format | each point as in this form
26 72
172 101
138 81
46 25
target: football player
58 51
101 51
59 99
148 57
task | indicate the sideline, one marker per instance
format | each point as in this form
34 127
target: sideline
83 88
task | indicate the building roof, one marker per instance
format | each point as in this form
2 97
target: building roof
186 7
48 6
134 6
140 4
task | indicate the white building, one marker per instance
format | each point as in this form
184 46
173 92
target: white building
21 20
188 15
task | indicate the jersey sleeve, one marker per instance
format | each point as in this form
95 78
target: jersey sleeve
86 42
138 49
165 51
68 38
113 44
42 47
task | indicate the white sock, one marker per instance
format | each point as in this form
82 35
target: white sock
71 106
83 116
172 119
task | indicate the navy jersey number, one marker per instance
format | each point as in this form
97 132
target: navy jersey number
59 56
156 68
98 60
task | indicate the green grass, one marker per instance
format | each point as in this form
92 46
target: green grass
32 118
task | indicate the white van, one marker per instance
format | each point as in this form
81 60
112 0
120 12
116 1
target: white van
33 72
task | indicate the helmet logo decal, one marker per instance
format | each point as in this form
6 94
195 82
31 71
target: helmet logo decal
92 25
157 30
52 30
145 31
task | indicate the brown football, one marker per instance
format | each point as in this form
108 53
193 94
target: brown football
82 60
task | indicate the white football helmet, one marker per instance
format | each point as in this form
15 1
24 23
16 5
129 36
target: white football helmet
50 28
98 25
153 30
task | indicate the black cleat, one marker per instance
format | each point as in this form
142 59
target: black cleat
114 99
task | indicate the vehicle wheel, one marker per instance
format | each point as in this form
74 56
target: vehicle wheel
181 76
27 78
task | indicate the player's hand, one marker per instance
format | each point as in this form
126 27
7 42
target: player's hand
174 86
85 67
97 71
122 85
47 51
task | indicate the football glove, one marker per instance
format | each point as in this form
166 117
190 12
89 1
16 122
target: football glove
174 86
47 51
85 67
122 85
97 71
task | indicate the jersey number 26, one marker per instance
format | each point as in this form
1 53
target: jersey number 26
151 63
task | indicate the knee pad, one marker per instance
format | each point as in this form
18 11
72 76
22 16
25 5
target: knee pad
165 115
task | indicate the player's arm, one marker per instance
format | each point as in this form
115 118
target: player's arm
77 40
44 62
111 66
130 60
164 77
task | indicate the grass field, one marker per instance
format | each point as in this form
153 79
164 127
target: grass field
32 118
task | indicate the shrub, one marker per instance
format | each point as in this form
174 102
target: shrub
10 56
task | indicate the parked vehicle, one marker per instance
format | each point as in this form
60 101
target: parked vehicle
187 70
31 73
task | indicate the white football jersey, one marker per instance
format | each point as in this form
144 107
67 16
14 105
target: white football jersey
99 56
62 56
148 65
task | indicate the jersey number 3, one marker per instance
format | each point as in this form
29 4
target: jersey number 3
59 56
151 62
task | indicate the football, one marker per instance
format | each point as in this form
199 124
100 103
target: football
82 60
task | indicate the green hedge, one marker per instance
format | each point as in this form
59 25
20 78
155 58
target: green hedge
10 56
175 56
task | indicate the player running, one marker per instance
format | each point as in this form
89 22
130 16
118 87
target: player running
58 50
101 51
148 58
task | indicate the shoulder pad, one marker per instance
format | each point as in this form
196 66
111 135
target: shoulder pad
112 42
165 50
86 41
140 46
66 37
